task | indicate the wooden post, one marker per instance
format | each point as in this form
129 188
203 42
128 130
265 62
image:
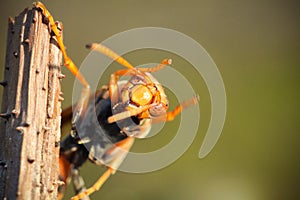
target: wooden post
31 109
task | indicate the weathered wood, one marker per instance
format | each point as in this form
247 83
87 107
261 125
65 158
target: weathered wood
31 109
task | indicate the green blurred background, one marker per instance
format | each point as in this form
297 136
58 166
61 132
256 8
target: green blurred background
256 47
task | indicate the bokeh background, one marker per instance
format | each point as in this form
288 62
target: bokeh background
256 47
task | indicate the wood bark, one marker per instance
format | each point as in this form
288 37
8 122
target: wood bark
31 109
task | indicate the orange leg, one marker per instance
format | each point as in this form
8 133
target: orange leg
67 61
128 113
169 116
119 151
113 84
96 186
113 89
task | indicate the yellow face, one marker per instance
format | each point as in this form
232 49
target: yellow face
141 95
142 91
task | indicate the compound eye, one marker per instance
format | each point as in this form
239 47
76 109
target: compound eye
141 95
167 105
157 110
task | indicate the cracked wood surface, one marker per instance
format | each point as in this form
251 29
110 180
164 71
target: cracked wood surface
31 108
